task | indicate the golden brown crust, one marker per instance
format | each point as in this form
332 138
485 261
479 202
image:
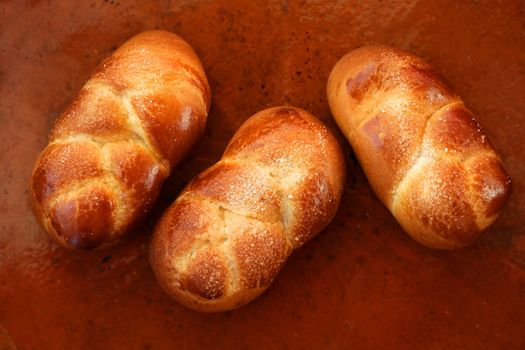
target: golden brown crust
425 155
133 121
226 237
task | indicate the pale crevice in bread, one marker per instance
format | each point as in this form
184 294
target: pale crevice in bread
472 158
421 157
283 177
182 262
80 137
374 108
288 176
220 205
287 212
226 247
138 129
134 123
102 141
120 210
69 191
221 239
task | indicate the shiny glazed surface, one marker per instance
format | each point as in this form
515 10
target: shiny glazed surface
362 282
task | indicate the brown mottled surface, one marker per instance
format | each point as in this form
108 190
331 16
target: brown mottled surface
363 282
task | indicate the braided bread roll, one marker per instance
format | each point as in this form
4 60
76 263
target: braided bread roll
425 155
227 235
133 121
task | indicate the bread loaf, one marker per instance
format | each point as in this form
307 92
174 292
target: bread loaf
133 121
424 153
227 235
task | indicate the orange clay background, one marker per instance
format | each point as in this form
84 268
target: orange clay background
362 283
